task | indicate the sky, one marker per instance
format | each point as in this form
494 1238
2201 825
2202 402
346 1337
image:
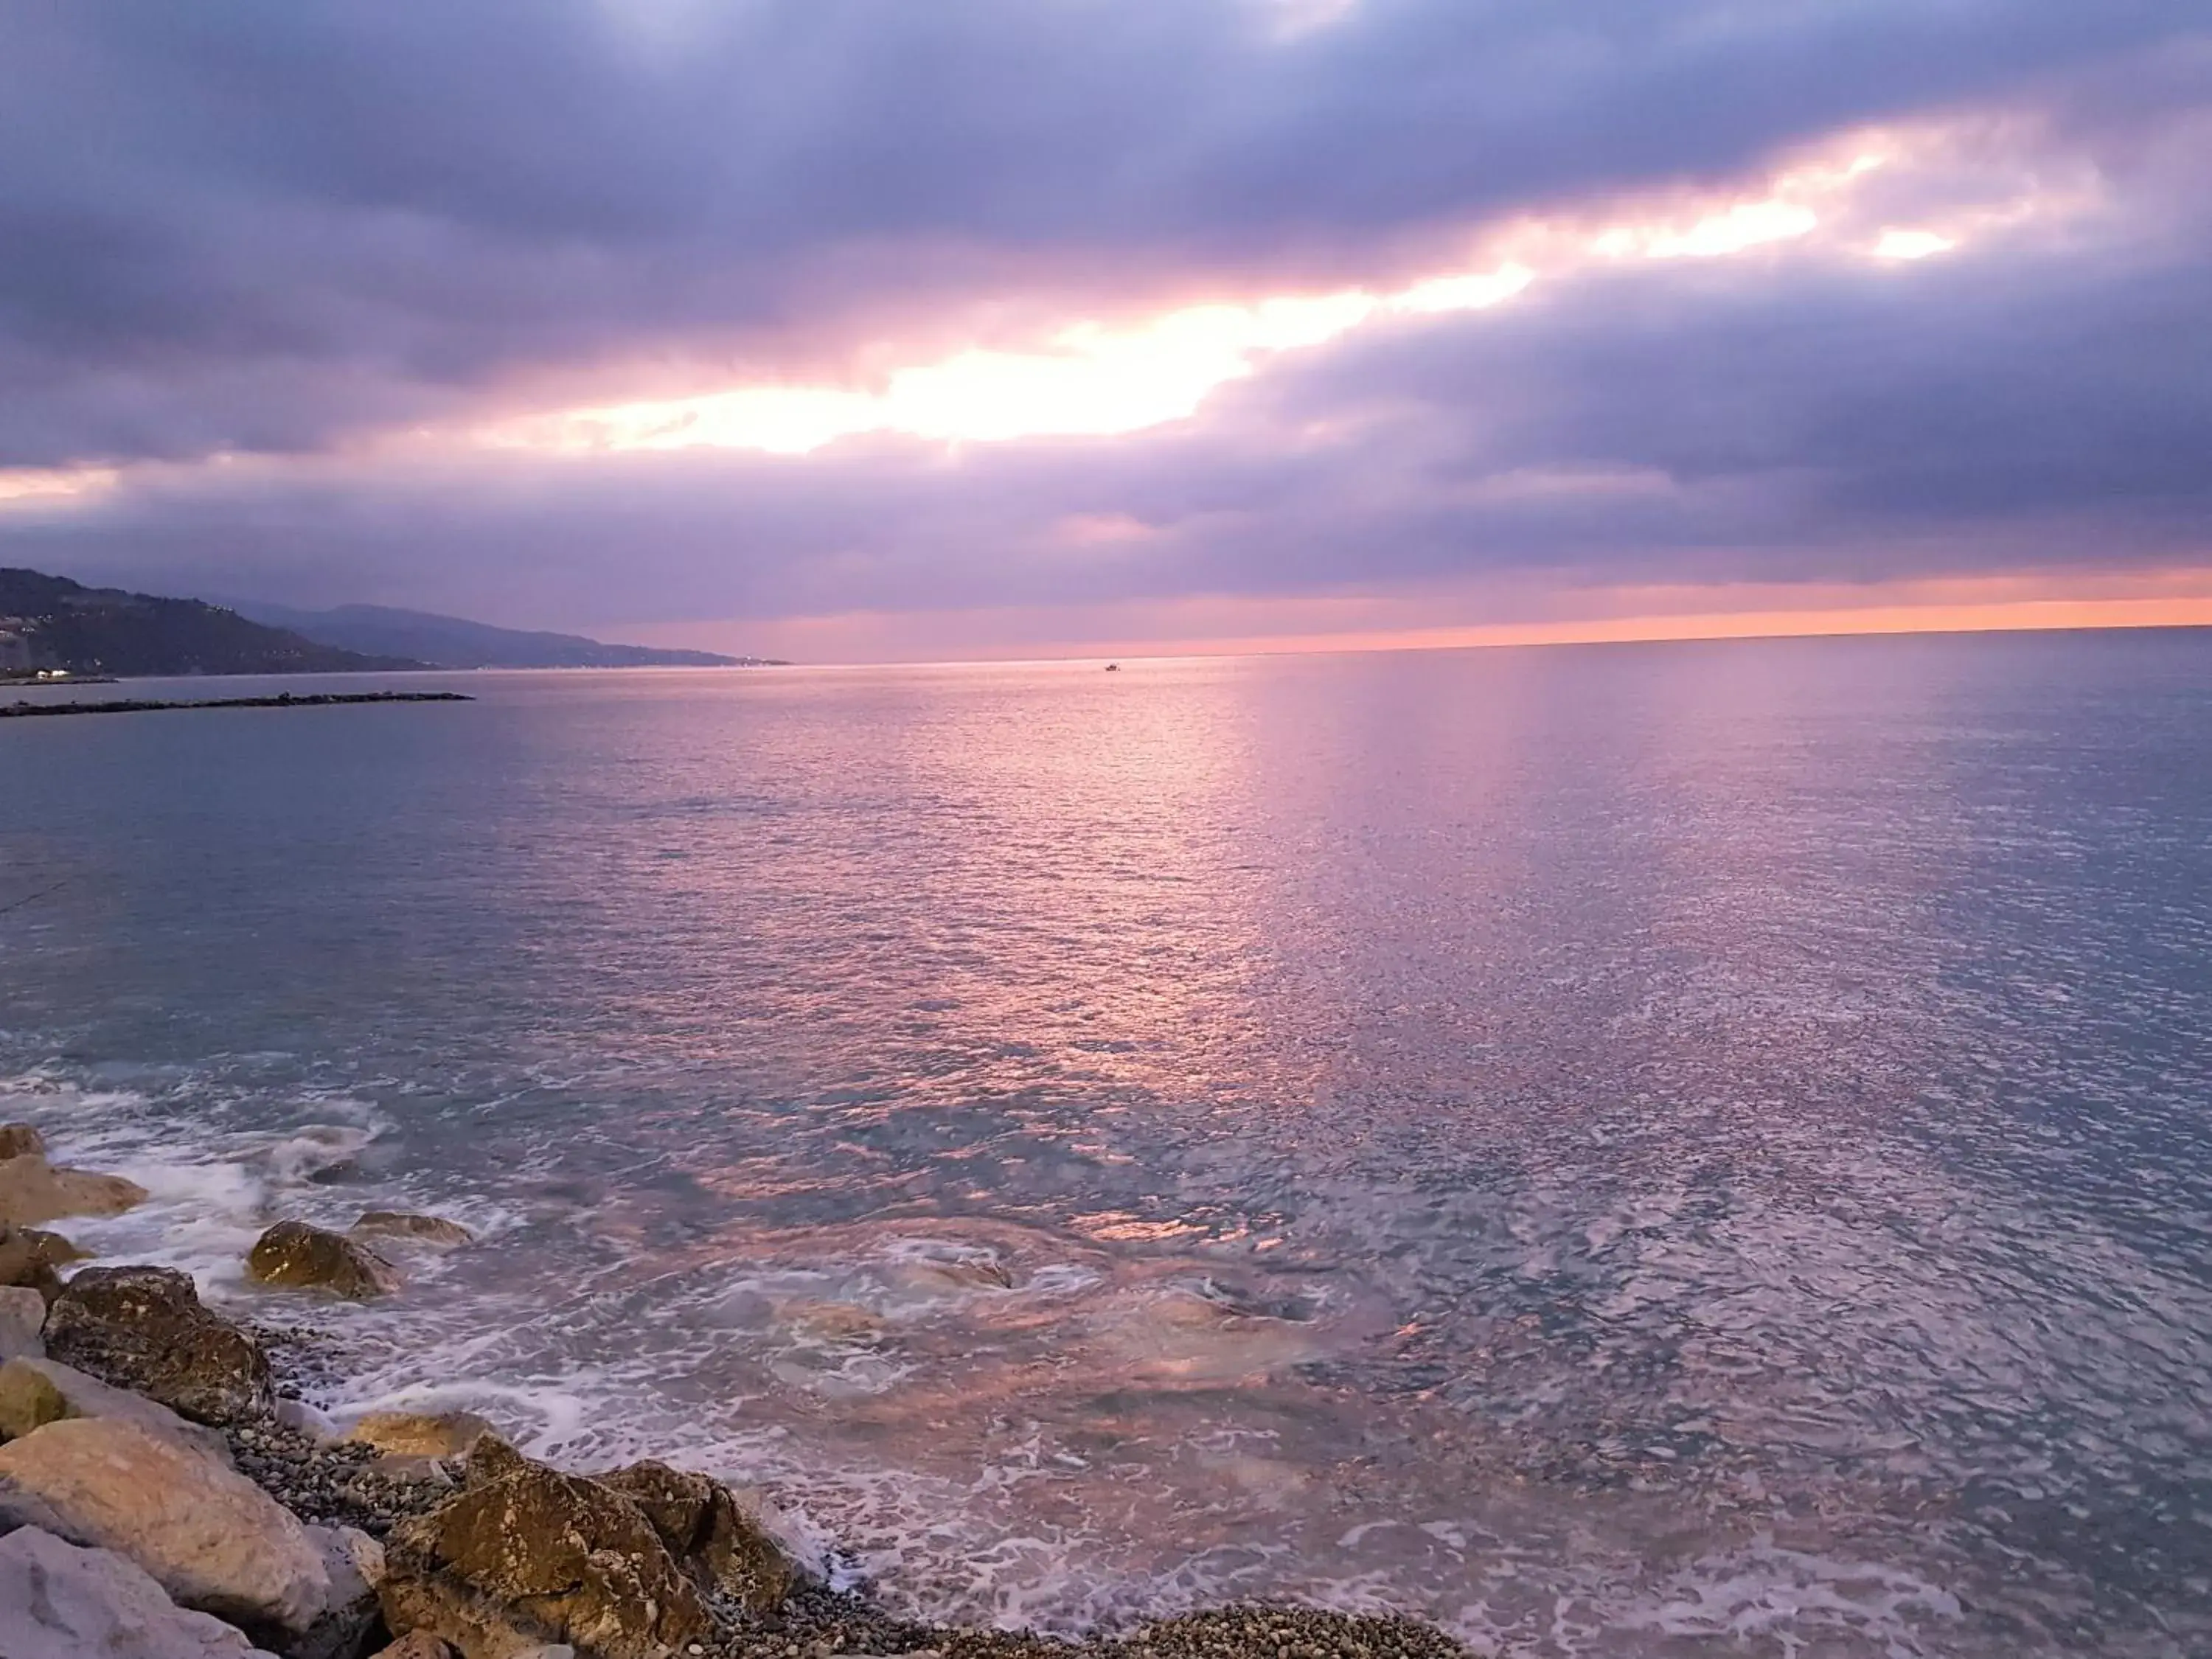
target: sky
859 330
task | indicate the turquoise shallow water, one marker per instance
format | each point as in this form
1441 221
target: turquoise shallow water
1669 1150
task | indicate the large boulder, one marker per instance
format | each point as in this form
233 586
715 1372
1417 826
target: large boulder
29 1257
33 1191
350 1615
293 1253
36 1392
210 1537
59 1602
143 1328
22 1318
726 1550
406 1225
528 1556
20 1140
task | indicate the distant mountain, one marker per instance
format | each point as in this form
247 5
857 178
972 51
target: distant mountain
451 642
50 622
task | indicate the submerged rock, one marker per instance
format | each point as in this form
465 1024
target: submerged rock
830 1322
23 1316
210 1537
20 1140
145 1328
36 1392
60 1601
33 1191
433 1230
293 1253
530 1555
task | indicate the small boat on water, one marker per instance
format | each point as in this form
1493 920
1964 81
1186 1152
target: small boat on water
1113 667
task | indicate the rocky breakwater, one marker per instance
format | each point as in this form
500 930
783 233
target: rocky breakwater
162 1498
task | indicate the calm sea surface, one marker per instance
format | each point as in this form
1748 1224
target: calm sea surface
1635 1151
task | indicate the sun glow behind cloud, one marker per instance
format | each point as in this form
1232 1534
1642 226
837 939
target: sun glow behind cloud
1099 379
1092 380
1095 379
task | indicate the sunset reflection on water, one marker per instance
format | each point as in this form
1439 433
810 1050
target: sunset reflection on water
1687 1136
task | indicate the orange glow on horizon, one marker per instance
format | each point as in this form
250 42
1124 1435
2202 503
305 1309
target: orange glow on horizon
2023 616
1252 626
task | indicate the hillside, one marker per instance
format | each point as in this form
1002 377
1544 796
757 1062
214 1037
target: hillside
453 643
60 623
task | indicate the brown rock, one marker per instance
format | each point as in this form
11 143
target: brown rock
210 1537
29 1258
143 1328
33 1190
415 1644
414 1434
27 1386
20 1140
491 1458
705 1527
533 1556
293 1253
28 1401
23 1316
405 1225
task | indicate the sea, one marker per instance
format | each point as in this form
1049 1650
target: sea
1657 1150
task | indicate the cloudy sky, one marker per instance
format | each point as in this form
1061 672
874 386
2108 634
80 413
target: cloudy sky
911 328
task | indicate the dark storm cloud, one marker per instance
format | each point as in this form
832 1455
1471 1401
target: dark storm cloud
265 226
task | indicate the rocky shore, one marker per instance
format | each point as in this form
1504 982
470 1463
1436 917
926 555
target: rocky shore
166 1494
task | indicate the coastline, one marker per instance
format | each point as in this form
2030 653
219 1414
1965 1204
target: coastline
131 1346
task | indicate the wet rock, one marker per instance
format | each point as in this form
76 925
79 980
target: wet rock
704 1526
60 1601
33 1191
143 1328
293 1253
20 1140
29 1258
22 1317
36 1392
492 1459
210 1537
530 1556
406 1224
419 1434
